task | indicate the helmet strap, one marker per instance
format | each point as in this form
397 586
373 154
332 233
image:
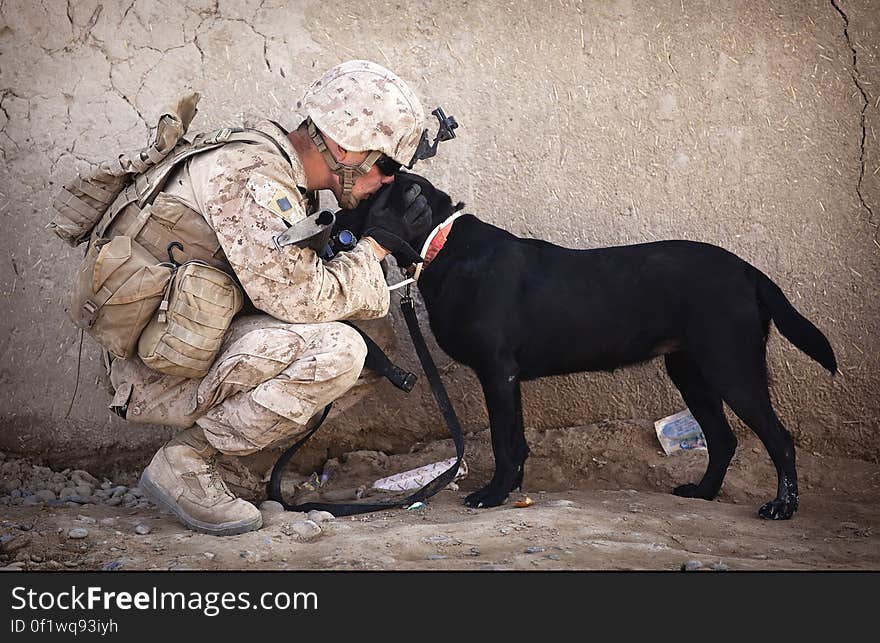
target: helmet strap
347 174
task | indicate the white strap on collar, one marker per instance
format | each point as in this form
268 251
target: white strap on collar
425 246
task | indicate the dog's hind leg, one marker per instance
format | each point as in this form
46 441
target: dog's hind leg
502 393
734 363
705 404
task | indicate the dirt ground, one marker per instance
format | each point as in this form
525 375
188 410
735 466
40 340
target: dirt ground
602 502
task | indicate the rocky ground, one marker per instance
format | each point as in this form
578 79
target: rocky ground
600 496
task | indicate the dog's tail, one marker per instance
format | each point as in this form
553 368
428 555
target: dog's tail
796 328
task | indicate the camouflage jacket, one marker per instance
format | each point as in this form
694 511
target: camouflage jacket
249 193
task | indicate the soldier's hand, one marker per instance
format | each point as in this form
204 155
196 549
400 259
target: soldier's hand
395 227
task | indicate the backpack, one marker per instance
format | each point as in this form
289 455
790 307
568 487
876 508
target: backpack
152 263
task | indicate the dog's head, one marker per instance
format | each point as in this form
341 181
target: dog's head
440 202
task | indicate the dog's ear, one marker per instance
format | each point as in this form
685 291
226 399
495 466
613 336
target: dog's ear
458 206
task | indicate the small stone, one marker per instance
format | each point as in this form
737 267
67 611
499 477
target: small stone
71 563
534 550
271 506
136 492
553 556
127 498
66 492
209 555
36 558
11 484
719 567
435 557
10 543
118 491
16 492
32 501
114 501
112 566
77 533
85 476
305 530
691 566
142 529
321 516
13 567
80 500
560 503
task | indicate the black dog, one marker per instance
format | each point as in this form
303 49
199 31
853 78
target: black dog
516 309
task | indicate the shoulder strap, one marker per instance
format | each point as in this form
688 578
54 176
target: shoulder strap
145 186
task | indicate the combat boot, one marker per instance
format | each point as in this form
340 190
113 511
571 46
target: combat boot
183 478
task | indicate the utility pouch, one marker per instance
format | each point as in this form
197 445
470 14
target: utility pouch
117 288
81 204
184 336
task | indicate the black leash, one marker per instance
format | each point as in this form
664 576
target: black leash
380 362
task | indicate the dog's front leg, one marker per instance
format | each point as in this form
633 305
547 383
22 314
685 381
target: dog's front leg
502 393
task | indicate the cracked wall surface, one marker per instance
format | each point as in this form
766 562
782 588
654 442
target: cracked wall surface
749 125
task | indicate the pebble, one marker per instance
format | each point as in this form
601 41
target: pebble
719 567
209 555
305 530
136 492
85 476
77 533
691 566
46 494
81 500
435 557
84 490
13 567
271 506
32 501
87 519
142 529
321 516
114 501
112 566
107 522
560 503
534 550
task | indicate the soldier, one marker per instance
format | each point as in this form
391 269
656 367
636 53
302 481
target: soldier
277 369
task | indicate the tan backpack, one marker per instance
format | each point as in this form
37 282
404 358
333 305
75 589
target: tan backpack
151 262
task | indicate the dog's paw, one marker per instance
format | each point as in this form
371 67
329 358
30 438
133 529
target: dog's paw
485 497
687 491
779 509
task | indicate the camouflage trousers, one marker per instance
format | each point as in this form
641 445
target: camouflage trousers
268 380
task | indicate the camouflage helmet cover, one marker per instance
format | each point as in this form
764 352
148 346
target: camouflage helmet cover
364 106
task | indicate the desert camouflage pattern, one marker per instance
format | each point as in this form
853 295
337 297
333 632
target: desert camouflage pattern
275 370
364 106
270 378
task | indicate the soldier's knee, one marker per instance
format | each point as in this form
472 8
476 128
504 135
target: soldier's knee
350 344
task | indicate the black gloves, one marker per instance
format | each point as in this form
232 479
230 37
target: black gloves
395 228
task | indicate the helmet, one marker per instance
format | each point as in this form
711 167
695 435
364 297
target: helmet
364 107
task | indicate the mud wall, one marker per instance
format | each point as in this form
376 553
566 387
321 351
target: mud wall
751 125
